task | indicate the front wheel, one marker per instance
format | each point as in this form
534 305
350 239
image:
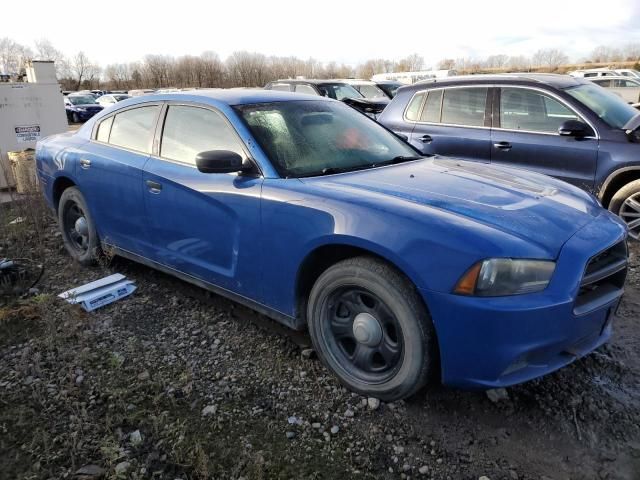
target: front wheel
75 118
626 204
369 326
77 227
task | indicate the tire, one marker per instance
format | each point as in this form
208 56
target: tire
80 237
626 204
389 361
75 118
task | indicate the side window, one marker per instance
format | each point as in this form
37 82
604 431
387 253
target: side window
190 130
602 83
431 110
305 89
623 84
523 109
134 128
282 87
464 106
413 110
104 129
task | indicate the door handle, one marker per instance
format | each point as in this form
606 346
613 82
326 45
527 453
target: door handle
84 163
426 139
502 146
154 187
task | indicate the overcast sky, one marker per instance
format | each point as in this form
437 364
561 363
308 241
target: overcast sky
345 31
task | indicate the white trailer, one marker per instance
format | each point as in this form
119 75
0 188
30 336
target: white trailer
413 77
29 111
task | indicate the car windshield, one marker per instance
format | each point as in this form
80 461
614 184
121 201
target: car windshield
390 89
608 106
371 91
82 99
308 138
340 91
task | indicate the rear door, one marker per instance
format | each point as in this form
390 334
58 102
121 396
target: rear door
525 135
110 175
204 224
453 121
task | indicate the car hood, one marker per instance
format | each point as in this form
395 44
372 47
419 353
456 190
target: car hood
527 205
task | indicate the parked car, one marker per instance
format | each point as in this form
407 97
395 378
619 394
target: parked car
558 125
80 108
140 92
336 89
403 268
626 88
389 87
111 99
628 72
367 88
594 72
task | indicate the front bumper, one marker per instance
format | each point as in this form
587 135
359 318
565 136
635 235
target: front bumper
501 341
84 114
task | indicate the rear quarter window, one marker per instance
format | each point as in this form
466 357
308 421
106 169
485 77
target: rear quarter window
413 110
104 129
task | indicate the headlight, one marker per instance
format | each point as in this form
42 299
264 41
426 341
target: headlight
505 276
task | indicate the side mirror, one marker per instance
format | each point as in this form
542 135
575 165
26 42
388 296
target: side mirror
219 161
402 136
574 128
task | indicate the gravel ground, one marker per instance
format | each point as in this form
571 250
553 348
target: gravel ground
174 382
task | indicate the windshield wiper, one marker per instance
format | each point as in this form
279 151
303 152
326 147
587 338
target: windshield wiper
399 159
353 168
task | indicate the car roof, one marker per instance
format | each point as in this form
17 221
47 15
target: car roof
315 81
552 79
227 96
611 77
355 81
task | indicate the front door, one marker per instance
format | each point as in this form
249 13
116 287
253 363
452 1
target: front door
203 224
525 135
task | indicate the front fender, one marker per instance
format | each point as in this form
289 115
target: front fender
431 246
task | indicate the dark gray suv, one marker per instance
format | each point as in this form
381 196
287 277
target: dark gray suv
558 125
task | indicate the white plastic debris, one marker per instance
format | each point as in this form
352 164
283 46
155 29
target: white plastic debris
100 293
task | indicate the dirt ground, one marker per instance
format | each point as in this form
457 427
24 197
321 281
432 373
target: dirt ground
176 383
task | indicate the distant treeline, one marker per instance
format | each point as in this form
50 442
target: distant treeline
250 69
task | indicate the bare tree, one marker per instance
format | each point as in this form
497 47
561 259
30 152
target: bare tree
248 69
213 69
13 56
604 53
497 61
519 63
79 65
412 63
446 64
632 52
550 58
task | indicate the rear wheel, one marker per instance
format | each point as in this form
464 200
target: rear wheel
77 227
626 204
369 326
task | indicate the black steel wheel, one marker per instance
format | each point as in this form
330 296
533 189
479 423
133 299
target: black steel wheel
370 327
77 227
363 332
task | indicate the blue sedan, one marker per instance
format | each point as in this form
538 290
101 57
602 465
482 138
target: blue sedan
403 267
81 108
